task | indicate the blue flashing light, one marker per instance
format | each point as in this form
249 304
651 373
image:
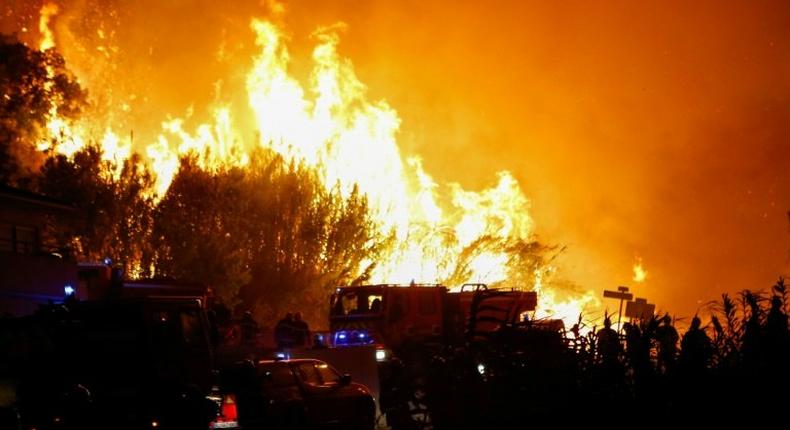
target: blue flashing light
352 338
341 338
107 261
68 290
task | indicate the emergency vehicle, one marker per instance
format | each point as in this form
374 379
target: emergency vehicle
390 316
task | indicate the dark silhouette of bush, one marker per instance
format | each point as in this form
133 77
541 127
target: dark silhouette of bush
735 367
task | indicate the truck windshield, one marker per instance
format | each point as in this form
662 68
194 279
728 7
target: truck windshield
352 302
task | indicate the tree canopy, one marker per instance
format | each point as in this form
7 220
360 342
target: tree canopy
269 234
35 86
114 212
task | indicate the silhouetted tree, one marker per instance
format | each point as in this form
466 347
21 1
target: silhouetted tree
113 212
198 232
270 232
34 85
752 336
777 338
306 239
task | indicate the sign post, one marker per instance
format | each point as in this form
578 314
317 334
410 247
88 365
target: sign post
639 309
623 295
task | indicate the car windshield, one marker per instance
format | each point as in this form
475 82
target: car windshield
277 374
328 374
307 373
357 302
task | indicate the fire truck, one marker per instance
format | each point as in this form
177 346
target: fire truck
114 353
374 328
392 316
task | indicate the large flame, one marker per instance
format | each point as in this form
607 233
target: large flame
70 139
331 125
47 38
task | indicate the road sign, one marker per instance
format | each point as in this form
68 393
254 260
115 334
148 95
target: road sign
619 295
639 308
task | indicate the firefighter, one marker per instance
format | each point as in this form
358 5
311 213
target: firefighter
375 307
610 369
695 349
337 308
608 342
301 331
318 342
667 338
577 342
284 332
394 396
638 349
249 328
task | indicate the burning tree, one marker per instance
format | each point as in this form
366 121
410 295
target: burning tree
115 210
270 234
271 227
35 87
322 195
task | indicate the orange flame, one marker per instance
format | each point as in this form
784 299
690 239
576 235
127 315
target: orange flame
70 140
332 126
640 274
47 38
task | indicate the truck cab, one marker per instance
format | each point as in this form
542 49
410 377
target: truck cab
386 314
390 314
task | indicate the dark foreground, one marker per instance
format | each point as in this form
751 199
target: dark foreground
735 368
150 364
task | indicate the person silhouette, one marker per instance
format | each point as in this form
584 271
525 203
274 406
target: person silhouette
337 308
284 332
249 328
301 331
608 342
667 338
696 350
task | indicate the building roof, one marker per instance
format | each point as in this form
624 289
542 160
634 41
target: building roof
26 198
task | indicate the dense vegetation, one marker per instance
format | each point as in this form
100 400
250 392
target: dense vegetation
269 237
266 235
735 367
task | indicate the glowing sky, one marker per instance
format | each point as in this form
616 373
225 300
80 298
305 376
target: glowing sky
651 129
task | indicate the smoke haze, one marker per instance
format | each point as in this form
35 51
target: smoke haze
652 130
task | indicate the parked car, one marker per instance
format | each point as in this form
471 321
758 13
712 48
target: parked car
298 393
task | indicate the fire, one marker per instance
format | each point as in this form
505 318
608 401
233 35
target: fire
640 274
444 233
70 139
47 39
